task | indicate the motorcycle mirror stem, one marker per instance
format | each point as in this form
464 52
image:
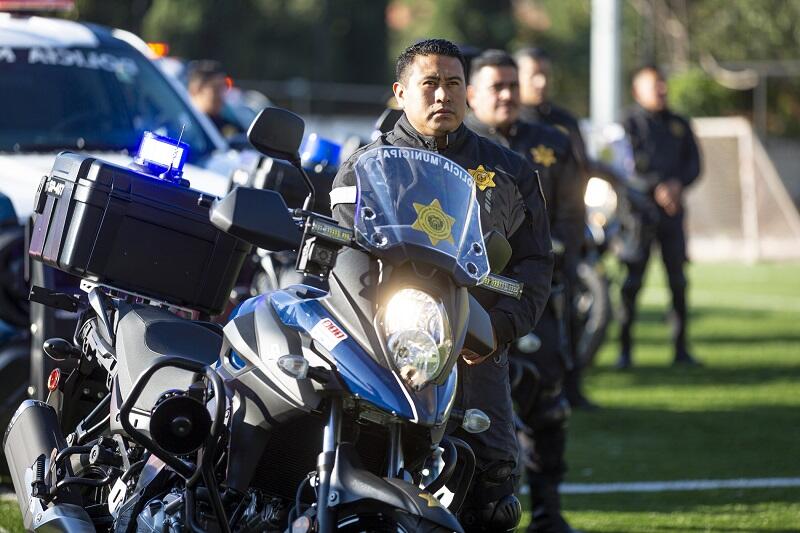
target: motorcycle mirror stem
308 203
277 133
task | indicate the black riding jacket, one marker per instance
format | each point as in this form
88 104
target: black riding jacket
664 147
562 120
496 171
550 153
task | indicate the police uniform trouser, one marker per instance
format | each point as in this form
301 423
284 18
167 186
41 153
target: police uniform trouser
545 416
486 386
672 240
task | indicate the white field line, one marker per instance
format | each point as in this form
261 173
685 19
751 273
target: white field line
680 485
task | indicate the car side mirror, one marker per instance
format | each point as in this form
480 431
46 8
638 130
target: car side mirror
277 133
498 250
257 216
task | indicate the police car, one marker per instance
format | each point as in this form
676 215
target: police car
66 85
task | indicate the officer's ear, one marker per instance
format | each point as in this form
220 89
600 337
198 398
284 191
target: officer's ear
470 94
399 91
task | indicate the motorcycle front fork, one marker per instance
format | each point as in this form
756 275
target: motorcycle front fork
330 440
326 500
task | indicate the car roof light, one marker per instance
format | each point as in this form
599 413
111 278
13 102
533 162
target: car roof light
162 156
159 49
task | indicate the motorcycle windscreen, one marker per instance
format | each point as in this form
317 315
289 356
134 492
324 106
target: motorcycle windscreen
415 205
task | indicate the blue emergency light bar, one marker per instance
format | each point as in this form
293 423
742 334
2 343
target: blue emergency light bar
161 155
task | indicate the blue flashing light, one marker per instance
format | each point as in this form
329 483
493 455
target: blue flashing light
162 156
316 150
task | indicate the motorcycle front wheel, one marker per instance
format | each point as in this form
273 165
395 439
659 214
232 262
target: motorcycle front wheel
378 519
592 307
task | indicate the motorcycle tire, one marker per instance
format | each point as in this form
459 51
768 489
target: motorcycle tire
362 518
592 307
14 371
13 288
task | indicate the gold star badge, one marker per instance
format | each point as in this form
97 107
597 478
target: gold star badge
543 155
432 500
434 222
483 178
676 128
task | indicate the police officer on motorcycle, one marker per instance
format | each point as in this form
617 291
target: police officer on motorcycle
667 161
431 89
493 95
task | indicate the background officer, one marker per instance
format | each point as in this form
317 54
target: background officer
207 84
667 161
493 96
431 90
534 65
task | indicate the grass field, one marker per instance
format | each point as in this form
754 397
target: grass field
736 417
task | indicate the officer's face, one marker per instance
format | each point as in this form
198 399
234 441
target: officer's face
494 96
650 90
209 96
533 78
433 94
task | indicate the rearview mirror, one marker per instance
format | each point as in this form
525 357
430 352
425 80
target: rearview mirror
277 133
257 216
498 250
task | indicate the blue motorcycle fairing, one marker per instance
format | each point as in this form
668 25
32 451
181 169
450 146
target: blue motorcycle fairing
363 376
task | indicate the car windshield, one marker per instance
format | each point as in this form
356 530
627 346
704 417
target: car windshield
89 99
419 206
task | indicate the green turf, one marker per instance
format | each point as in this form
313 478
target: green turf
738 416
10 520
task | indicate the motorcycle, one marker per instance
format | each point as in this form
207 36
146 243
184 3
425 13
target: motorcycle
591 301
310 410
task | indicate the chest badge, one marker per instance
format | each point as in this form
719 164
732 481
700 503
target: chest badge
543 155
434 222
483 178
676 128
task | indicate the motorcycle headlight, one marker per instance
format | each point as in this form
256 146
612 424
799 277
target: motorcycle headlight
600 200
417 332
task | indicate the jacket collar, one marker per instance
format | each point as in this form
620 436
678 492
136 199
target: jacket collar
485 130
404 130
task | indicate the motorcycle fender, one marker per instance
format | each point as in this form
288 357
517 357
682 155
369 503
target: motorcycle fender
350 483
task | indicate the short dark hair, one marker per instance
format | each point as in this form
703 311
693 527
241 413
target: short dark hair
652 67
428 47
491 58
532 52
203 71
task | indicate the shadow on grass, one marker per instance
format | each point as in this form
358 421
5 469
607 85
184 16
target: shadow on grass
731 511
643 376
624 445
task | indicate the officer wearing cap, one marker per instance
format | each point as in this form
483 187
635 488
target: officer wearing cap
667 161
431 90
493 96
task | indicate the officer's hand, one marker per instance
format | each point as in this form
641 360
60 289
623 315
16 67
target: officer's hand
668 196
472 358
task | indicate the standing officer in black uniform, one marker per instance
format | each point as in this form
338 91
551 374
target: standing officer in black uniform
431 89
534 77
493 96
667 161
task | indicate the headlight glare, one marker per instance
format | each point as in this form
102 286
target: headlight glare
417 334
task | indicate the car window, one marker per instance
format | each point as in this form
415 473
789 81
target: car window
90 99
